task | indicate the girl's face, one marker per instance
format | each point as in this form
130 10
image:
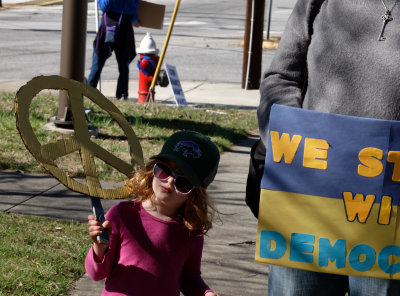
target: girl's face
165 192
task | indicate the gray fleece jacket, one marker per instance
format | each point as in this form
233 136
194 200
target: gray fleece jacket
330 60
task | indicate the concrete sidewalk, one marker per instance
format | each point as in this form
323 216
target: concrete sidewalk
196 92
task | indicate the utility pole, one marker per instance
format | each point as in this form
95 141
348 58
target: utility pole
253 39
73 48
268 19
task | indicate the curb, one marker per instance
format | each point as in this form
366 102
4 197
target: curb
46 2
31 3
270 44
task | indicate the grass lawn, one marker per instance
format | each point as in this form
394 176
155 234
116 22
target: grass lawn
41 256
152 126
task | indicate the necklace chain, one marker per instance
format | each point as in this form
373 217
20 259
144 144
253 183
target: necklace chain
387 9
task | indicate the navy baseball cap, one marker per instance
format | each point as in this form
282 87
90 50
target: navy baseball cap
195 154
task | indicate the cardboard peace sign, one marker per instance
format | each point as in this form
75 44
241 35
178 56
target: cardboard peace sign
81 141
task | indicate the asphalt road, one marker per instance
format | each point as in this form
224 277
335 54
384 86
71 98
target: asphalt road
204 45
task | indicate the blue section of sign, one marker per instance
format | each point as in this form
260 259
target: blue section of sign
266 237
346 136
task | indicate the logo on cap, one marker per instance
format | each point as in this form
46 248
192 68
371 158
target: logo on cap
188 148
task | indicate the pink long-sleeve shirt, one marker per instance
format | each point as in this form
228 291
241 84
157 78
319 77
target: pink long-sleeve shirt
148 256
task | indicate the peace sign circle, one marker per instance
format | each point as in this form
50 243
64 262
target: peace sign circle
80 141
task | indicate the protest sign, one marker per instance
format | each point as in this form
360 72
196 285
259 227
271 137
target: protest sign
175 83
151 15
330 194
48 154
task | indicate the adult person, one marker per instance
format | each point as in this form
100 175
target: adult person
335 56
115 34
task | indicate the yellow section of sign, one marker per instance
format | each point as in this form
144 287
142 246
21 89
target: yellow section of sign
315 233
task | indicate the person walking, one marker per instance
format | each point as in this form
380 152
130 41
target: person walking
115 34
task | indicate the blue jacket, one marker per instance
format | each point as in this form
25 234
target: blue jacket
119 6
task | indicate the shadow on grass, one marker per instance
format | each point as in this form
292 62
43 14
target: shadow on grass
209 129
18 166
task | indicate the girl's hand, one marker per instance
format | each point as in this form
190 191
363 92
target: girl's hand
211 294
95 229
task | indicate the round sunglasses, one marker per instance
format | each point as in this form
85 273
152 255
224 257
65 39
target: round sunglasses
162 172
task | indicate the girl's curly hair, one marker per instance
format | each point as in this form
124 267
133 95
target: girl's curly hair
196 213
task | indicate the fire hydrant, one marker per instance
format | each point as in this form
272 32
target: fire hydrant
147 64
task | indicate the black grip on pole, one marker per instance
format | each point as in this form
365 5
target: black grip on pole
98 212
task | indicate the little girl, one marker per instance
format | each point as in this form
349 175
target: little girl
156 240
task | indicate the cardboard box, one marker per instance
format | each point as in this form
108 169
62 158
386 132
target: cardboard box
151 15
